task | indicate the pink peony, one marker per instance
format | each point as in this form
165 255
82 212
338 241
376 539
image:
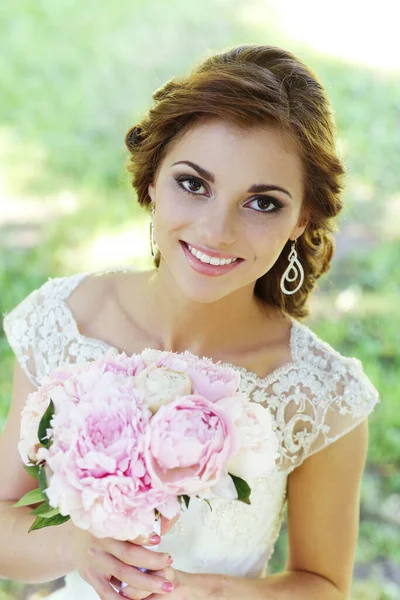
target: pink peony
187 445
64 385
121 363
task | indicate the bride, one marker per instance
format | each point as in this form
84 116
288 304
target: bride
237 164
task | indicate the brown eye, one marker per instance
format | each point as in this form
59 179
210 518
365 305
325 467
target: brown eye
190 184
267 204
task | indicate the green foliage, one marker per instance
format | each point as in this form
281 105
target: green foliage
48 519
44 426
31 497
34 471
242 488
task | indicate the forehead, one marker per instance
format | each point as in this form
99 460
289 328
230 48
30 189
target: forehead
257 152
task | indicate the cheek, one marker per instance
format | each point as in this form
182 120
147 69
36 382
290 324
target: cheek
271 237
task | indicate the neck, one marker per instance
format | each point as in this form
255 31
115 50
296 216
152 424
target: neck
218 327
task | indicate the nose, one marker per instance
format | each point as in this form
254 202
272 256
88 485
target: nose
218 227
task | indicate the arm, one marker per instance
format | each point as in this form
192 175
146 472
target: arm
39 555
52 552
323 517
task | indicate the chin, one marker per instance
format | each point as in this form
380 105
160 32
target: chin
202 292
201 295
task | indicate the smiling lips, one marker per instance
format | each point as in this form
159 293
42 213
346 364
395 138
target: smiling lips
211 253
207 268
210 260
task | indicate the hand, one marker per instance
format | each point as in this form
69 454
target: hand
187 586
101 562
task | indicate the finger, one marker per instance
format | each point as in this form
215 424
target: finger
134 577
103 588
134 594
137 556
151 540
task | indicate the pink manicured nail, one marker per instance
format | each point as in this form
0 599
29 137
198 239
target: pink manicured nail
167 586
155 539
170 560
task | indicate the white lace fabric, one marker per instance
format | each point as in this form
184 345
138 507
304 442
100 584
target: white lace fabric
314 400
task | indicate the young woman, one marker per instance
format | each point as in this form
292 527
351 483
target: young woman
237 162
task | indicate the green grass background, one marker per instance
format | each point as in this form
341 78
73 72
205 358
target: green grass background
75 76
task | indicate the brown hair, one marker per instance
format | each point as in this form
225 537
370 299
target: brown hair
250 85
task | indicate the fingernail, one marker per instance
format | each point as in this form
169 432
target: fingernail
123 595
155 539
170 560
167 586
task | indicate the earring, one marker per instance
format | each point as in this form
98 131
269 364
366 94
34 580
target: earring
296 269
153 243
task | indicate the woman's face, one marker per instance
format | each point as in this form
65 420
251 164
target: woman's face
241 195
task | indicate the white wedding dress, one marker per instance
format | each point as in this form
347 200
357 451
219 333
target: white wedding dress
314 400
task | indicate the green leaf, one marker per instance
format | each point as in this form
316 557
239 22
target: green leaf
45 510
186 500
33 471
38 523
44 425
41 522
243 489
51 513
42 478
32 497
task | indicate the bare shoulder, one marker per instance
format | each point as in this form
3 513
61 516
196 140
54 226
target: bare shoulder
323 508
96 298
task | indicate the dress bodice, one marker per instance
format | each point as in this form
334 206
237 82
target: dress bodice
315 399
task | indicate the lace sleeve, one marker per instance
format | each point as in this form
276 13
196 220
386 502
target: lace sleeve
353 398
21 328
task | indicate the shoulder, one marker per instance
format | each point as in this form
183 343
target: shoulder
44 321
100 296
29 325
340 377
80 291
322 397
53 290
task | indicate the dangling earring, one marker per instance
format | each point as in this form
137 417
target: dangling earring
153 243
296 269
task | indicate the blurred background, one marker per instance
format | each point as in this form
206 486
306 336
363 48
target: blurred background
77 75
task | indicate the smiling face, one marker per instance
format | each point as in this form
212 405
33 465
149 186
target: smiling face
232 191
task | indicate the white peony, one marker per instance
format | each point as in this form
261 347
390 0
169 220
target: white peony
158 386
258 443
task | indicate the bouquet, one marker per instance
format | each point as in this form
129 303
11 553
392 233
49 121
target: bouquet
116 442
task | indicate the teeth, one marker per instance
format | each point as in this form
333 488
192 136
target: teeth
210 260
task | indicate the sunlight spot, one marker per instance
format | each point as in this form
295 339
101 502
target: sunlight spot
128 247
363 32
348 299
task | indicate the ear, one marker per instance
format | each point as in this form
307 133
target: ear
297 231
300 227
151 192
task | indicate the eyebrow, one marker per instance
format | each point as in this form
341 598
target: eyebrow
256 188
